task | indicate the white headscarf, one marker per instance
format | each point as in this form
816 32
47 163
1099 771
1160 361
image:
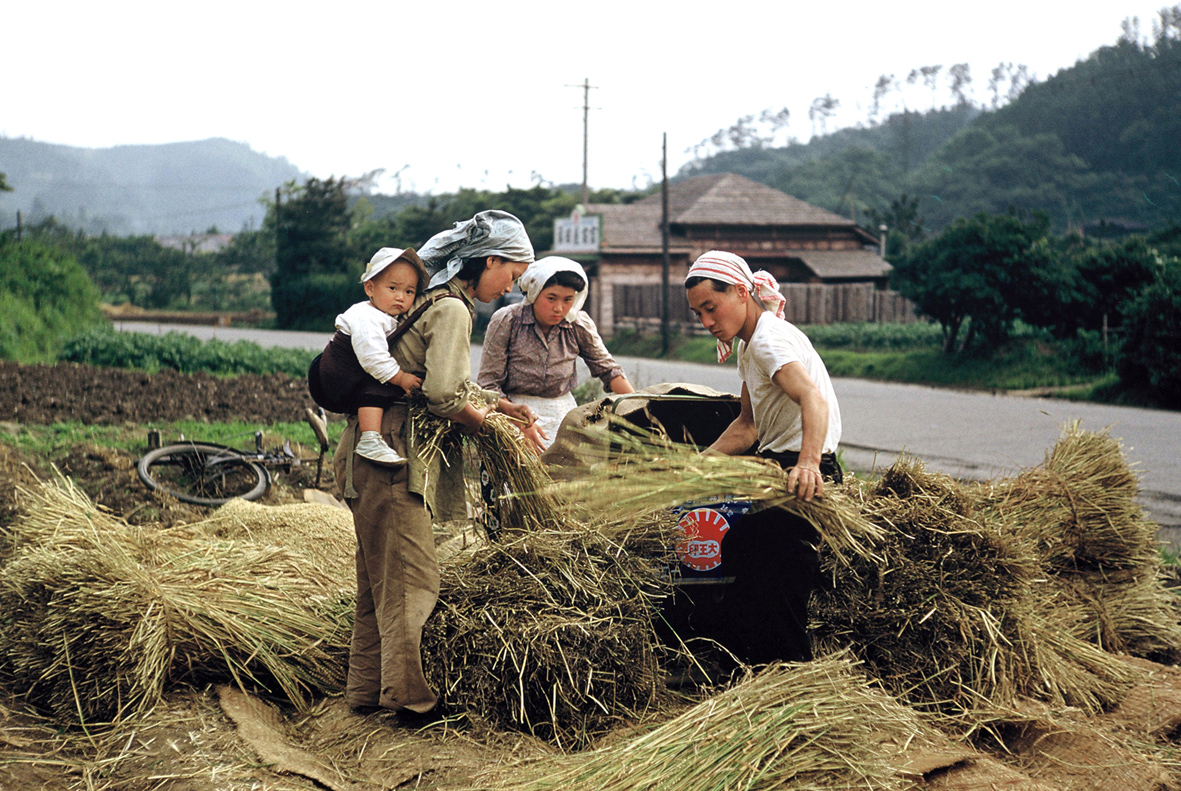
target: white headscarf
733 269
533 281
491 232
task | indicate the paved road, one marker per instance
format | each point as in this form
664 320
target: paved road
967 434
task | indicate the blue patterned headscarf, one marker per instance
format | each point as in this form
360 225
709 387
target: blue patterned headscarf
491 232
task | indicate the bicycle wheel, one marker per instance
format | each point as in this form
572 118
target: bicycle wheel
202 473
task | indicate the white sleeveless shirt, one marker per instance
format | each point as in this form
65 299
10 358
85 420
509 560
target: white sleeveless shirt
774 344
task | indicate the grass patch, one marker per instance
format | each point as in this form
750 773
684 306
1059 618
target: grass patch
911 353
1019 365
687 348
53 441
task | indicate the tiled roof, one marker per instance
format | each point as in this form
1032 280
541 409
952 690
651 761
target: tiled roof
719 199
730 199
830 264
633 225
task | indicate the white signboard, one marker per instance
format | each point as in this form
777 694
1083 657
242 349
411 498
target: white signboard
576 234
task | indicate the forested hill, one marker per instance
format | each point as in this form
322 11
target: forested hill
1100 141
124 190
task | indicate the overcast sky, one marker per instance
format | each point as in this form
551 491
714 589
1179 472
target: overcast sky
477 94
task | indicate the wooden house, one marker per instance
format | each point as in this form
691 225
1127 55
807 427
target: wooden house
810 251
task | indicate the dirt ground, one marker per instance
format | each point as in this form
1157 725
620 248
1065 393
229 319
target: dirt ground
65 392
44 394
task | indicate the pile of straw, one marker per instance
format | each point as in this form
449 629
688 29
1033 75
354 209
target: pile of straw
101 616
323 533
549 632
944 618
1079 514
816 725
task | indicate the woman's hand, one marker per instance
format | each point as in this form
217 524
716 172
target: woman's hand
520 413
535 437
805 481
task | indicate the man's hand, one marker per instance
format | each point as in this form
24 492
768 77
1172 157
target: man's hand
475 420
805 481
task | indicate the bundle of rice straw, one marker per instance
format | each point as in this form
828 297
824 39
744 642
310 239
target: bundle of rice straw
643 472
1079 513
513 467
1138 617
548 632
101 616
1079 508
816 725
943 617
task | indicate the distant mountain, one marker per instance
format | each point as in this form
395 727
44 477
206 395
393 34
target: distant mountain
144 189
1096 143
908 139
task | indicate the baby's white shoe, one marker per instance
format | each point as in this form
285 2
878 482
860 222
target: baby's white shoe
374 448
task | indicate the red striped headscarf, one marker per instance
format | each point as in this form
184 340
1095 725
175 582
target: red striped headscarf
732 269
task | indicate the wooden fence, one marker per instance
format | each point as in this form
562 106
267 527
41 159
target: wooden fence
638 306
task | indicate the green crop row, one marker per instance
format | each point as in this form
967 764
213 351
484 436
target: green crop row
178 352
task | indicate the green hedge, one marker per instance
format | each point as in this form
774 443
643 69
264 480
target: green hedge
179 352
313 302
868 336
45 297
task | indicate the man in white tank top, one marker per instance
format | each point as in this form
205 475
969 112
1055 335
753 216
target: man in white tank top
789 413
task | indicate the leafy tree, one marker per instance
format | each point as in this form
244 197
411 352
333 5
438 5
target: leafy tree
249 252
746 132
930 75
850 183
314 277
823 108
1167 240
4 184
983 170
1104 279
311 228
1151 354
881 88
980 274
903 223
135 269
961 80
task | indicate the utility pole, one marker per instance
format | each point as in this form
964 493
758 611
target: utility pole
278 226
586 89
665 324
